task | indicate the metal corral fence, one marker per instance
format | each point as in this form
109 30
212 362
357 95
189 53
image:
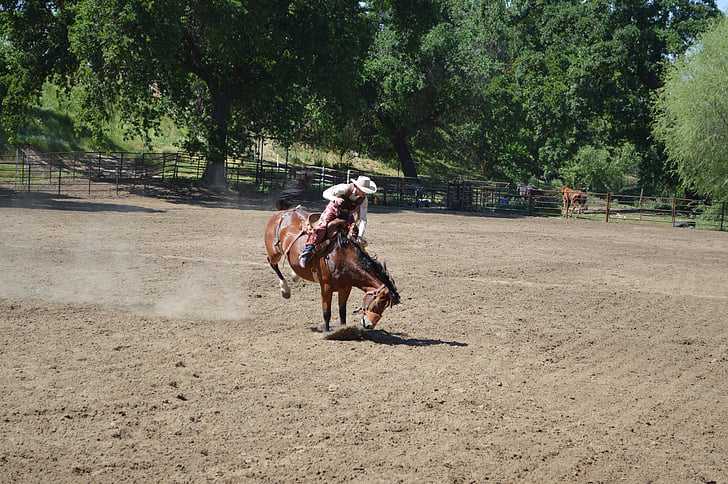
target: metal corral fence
82 172
92 173
678 212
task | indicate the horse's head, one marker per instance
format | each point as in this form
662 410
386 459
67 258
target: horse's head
374 304
380 298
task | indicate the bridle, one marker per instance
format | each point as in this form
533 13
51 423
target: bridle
370 318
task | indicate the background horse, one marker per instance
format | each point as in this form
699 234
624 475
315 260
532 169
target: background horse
573 200
341 266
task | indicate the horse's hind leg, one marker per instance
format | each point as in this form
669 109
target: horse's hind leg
285 290
292 273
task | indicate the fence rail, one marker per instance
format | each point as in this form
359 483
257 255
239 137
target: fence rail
97 173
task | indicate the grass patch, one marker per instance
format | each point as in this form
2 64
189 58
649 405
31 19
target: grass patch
51 128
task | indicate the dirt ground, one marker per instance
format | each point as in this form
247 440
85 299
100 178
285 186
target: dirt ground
146 340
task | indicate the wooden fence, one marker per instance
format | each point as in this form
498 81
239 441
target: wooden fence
96 173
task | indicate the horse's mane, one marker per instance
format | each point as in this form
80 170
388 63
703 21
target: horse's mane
372 265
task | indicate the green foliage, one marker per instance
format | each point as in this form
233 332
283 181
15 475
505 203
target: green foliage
711 215
692 113
223 70
492 88
586 72
429 73
601 169
33 47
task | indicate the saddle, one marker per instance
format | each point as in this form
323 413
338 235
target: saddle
310 222
332 230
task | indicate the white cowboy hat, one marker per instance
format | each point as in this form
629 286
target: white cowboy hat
365 184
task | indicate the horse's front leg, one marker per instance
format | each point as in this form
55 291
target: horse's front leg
343 298
326 294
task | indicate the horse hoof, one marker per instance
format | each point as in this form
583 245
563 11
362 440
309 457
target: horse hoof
285 290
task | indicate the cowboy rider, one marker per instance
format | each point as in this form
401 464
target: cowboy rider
345 200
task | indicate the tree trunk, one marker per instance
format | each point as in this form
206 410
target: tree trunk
399 141
214 176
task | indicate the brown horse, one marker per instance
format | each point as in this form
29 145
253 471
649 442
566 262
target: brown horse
573 200
343 264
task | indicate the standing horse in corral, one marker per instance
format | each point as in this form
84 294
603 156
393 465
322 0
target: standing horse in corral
337 266
573 200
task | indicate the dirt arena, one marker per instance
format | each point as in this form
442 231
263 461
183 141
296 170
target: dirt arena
145 340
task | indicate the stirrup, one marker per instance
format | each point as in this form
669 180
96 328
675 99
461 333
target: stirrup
305 258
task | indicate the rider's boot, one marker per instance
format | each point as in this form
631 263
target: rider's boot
306 255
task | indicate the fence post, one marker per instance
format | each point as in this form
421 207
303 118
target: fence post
164 164
673 211
609 206
722 215
89 176
198 168
530 202
286 162
22 168
118 171
17 167
348 176
59 179
29 173
642 190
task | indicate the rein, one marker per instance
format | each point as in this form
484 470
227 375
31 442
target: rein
300 234
374 293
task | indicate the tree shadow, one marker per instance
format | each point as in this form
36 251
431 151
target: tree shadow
11 199
52 131
190 193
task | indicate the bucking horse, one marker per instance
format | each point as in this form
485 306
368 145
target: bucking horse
340 263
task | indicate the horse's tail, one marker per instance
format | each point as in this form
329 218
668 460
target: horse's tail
283 204
287 198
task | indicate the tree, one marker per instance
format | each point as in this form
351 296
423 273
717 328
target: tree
600 169
227 69
427 71
587 72
692 113
33 48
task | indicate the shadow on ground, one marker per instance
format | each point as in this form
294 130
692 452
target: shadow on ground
54 202
355 333
397 339
188 193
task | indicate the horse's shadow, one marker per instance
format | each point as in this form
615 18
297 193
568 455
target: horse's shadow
354 333
401 339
